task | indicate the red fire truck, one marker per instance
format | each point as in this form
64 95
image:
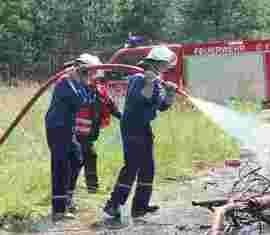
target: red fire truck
215 71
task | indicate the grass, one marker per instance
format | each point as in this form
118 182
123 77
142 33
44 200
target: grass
180 138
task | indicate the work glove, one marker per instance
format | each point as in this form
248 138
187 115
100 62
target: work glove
170 89
170 86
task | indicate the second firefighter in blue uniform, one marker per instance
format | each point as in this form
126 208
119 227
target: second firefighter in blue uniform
144 99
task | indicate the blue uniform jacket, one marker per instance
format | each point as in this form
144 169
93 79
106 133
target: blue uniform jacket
67 98
139 111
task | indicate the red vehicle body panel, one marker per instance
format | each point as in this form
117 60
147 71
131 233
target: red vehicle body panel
220 48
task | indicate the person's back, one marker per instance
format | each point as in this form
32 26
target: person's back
64 104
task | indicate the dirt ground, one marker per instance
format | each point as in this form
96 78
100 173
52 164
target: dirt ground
176 217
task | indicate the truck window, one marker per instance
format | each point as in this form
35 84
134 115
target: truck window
130 59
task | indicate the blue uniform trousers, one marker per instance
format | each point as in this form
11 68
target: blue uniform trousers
138 161
76 163
84 151
64 167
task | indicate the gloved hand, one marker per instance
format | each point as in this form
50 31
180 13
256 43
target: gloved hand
168 85
170 89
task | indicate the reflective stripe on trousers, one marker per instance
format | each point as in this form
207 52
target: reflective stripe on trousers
139 162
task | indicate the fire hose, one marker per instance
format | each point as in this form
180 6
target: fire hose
30 103
55 78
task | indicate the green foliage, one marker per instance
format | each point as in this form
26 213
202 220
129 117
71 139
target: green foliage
201 20
142 17
35 31
15 16
15 30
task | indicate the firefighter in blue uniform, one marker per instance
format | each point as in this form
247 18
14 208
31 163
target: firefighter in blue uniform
144 99
68 96
89 120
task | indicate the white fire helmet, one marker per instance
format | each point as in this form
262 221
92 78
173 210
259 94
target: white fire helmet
88 60
162 54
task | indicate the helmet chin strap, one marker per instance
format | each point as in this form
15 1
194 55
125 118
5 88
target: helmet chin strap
83 78
155 69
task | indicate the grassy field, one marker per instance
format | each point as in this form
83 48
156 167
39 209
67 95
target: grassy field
181 137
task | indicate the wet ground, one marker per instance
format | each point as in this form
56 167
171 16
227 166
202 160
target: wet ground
176 216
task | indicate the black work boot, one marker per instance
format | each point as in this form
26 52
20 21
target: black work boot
72 207
92 187
140 212
58 217
112 210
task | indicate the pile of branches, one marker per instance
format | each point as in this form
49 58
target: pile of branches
249 185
